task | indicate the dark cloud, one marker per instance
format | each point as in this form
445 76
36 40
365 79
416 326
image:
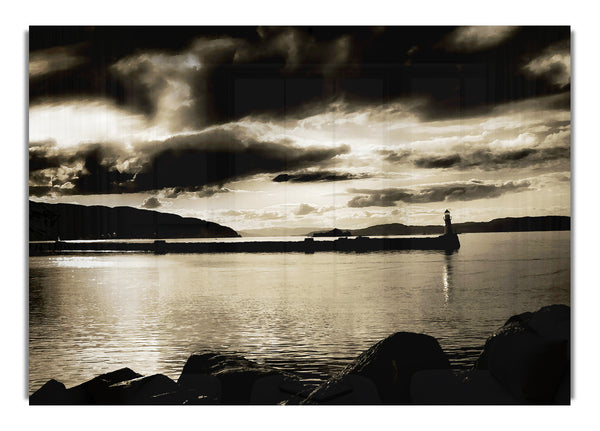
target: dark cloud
151 203
40 177
39 161
55 59
89 169
200 162
490 160
174 192
172 87
553 64
213 158
40 191
99 174
318 176
467 191
378 198
199 191
207 192
438 162
477 38
246 70
297 48
394 156
44 155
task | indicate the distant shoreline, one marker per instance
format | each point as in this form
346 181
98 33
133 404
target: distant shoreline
78 222
507 224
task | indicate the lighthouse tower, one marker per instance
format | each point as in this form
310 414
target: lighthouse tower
447 223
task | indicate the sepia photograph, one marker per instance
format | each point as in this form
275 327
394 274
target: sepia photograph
299 215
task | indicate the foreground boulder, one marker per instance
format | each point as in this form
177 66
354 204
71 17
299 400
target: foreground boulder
140 390
94 391
232 379
51 393
382 374
530 356
449 387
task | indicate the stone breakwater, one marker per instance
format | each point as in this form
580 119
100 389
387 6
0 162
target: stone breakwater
526 361
447 242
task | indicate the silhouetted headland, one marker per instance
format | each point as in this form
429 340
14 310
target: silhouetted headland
73 222
526 361
507 224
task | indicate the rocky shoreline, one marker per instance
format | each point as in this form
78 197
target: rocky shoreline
526 361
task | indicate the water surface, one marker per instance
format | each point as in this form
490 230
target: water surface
308 313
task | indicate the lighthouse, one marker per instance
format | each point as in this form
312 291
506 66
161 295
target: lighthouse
447 223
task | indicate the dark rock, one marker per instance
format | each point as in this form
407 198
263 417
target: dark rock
240 381
448 387
182 396
51 393
95 391
141 390
389 364
563 393
346 389
530 354
203 388
277 389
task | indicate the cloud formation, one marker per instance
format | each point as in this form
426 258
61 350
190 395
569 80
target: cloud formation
217 156
208 191
304 209
491 159
197 76
458 191
477 38
438 161
151 203
318 176
394 156
170 85
73 122
297 48
55 59
185 162
254 215
554 64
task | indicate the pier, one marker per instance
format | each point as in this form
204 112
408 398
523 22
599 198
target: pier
359 244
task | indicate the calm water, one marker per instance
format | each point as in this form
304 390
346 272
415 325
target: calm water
312 314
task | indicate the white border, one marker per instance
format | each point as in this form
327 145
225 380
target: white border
579 14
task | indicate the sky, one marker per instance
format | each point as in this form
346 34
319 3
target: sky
260 127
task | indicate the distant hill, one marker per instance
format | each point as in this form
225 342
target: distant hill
333 232
399 229
71 221
516 224
508 224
